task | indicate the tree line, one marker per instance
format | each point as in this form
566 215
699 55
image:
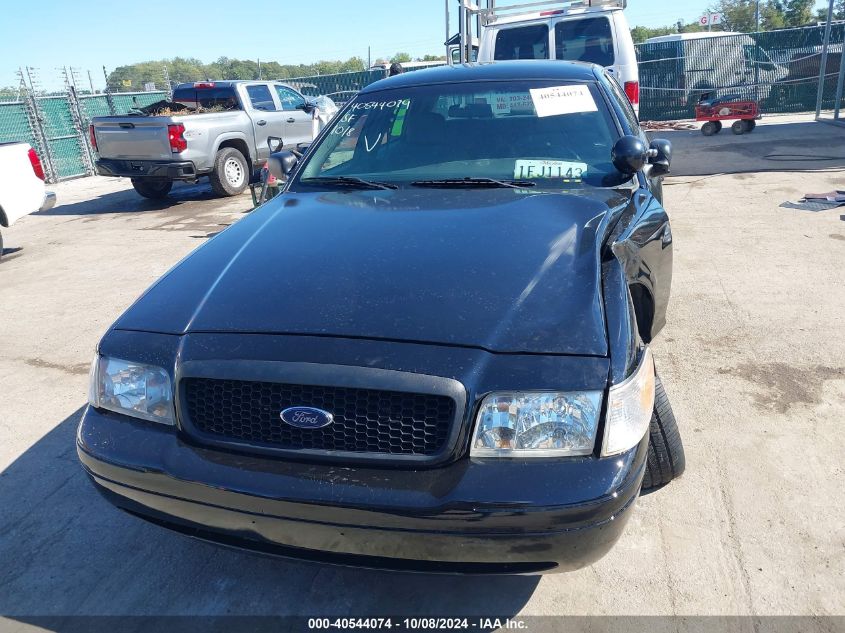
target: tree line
187 69
741 16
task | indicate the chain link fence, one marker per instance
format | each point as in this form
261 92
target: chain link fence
55 121
780 69
340 87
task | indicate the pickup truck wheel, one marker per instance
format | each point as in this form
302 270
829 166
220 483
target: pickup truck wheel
666 460
230 175
152 189
1 245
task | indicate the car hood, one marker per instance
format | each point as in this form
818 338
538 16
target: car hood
498 269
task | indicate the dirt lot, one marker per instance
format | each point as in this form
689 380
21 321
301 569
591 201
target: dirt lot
753 358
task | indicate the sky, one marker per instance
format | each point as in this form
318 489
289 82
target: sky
87 34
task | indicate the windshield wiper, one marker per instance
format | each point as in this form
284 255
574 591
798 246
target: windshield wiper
474 182
347 181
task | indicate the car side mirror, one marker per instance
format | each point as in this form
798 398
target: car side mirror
306 107
275 143
282 164
660 157
629 155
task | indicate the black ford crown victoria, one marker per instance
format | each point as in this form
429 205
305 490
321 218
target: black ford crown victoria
430 353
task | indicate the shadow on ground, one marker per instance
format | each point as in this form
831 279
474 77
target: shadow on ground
801 146
128 201
10 253
67 552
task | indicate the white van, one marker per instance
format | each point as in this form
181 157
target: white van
594 31
704 62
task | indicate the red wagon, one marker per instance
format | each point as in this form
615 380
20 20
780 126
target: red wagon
745 114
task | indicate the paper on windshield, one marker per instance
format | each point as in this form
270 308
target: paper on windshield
512 102
559 100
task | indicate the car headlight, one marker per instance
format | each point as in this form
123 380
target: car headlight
629 408
134 389
536 424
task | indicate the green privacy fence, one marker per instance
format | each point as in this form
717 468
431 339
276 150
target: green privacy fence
341 87
780 69
14 123
57 126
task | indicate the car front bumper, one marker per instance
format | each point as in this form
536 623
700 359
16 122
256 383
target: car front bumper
471 516
173 170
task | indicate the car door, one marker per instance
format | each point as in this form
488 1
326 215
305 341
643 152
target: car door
267 118
298 122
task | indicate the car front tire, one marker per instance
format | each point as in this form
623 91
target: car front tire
666 459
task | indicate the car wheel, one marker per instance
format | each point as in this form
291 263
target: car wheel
152 189
231 173
666 459
738 127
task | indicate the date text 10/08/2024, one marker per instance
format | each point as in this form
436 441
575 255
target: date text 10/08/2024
416 624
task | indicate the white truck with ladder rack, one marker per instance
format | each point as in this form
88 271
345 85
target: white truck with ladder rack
594 31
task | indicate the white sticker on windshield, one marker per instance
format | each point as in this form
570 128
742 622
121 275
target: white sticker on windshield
562 100
549 169
508 102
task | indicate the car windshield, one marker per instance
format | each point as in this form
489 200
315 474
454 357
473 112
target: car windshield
548 134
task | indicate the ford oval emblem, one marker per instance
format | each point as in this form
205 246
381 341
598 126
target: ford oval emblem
307 417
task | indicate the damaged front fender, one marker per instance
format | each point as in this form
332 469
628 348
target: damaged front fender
643 248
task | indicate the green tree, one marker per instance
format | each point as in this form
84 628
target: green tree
693 27
838 12
798 12
772 15
400 58
737 15
432 58
641 33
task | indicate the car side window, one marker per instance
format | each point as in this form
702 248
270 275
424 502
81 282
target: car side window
624 102
524 42
585 40
289 99
261 98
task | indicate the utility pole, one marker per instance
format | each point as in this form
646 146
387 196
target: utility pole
757 55
90 82
448 34
369 59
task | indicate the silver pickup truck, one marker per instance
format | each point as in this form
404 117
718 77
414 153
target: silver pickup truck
217 129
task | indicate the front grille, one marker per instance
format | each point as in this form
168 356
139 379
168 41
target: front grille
365 420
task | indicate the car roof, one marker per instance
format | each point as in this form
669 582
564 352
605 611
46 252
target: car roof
489 71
